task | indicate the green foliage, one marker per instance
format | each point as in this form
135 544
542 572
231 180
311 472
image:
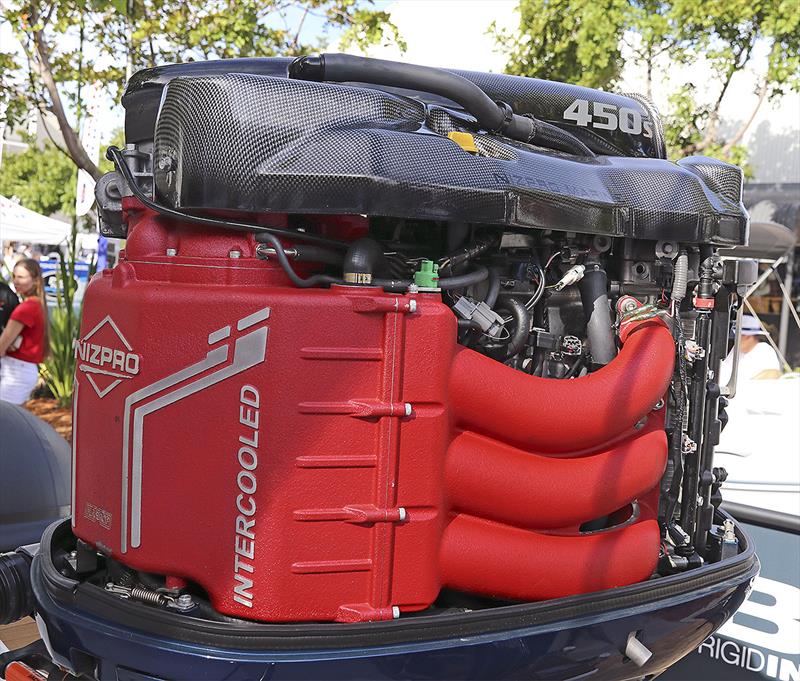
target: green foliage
44 180
580 42
117 140
367 27
574 41
91 40
684 126
58 370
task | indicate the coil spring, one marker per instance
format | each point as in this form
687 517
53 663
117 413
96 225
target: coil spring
147 596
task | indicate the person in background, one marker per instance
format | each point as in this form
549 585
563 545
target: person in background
8 301
24 341
756 356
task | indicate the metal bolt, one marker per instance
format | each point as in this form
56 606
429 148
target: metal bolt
408 408
728 530
395 612
172 251
235 254
402 513
412 305
184 602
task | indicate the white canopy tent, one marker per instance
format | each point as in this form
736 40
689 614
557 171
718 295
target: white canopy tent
20 224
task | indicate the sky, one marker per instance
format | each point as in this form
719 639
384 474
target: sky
452 33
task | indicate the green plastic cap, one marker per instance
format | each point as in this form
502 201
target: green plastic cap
428 275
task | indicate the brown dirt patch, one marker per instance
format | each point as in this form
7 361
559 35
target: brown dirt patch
48 410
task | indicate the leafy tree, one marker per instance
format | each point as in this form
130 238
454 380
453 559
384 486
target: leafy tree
44 180
580 42
575 41
71 42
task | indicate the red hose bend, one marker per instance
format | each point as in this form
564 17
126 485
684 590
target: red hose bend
552 415
481 556
492 480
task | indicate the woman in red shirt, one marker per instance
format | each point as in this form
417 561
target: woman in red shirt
24 341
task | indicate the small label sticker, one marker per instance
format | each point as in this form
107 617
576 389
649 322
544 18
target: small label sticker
97 515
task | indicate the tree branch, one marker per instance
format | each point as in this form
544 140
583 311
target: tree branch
296 40
733 141
713 119
43 111
76 151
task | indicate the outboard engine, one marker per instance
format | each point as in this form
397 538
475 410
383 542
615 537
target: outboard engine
386 340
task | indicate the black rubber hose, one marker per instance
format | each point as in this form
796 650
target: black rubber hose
461 281
314 280
267 233
575 368
16 593
553 137
599 330
312 253
522 329
468 325
476 276
492 116
494 288
343 68
460 256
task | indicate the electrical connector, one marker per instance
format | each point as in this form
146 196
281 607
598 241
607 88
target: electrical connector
485 317
573 275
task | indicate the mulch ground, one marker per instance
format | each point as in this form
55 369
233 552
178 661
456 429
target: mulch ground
48 410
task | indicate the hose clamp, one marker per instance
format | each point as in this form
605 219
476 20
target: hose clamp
508 116
535 127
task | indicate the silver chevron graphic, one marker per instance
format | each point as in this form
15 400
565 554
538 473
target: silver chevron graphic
249 350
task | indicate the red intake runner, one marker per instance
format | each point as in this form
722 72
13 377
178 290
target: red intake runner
490 479
498 560
548 415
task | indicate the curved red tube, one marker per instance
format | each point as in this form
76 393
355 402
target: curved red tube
484 557
550 415
490 479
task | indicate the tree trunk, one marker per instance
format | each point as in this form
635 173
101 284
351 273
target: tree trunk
74 147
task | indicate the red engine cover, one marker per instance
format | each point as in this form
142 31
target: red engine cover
308 454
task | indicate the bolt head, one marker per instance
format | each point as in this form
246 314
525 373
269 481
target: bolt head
184 602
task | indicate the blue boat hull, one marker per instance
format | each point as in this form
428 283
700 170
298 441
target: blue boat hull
590 643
